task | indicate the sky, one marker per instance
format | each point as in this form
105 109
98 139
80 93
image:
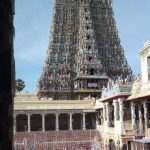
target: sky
33 23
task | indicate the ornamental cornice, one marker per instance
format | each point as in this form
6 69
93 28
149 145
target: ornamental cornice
146 48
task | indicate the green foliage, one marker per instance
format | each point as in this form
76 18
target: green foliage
20 85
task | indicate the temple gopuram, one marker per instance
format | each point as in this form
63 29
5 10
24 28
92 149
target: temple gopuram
87 97
84 51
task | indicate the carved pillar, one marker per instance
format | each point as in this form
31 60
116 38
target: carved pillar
97 119
145 103
104 111
115 109
57 122
29 117
111 115
140 119
15 124
106 144
117 145
70 121
43 122
107 114
133 117
101 117
84 124
121 114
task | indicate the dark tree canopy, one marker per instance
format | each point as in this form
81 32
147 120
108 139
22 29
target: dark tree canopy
20 85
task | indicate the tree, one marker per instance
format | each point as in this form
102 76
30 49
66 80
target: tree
20 85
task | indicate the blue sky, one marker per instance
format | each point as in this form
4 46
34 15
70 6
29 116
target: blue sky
33 22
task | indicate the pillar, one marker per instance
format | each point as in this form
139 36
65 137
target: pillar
107 114
29 117
43 122
106 145
101 117
140 119
15 124
115 110
98 119
70 121
133 117
84 124
145 114
121 114
117 145
104 111
57 122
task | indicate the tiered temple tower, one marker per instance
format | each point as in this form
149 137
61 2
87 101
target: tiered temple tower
84 51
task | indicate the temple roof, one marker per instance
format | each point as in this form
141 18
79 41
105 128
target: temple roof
144 141
117 89
146 47
25 102
92 77
140 93
26 97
